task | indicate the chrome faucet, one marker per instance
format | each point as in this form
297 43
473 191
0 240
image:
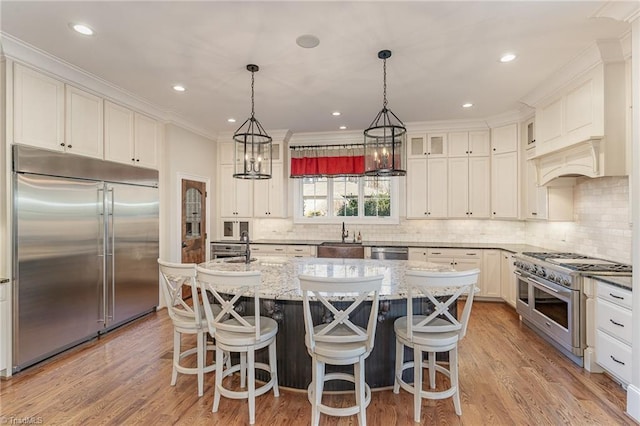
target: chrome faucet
345 233
244 237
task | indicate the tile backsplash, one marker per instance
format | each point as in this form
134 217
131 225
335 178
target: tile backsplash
602 227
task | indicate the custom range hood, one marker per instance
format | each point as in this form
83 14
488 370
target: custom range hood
581 119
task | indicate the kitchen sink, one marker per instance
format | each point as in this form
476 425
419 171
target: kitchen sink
341 250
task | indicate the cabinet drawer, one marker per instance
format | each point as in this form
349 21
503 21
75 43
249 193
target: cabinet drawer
457 253
613 355
299 251
614 294
613 319
269 249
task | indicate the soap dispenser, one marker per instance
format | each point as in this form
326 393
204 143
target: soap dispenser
359 237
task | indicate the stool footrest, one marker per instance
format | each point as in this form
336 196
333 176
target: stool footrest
342 411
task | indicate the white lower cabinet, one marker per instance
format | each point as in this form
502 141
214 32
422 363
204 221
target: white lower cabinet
417 253
462 260
508 278
269 249
491 274
283 250
613 331
609 329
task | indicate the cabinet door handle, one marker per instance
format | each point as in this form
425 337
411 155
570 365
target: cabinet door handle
494 149
616 360
69 146
534 214
615 296
133 159
62 144
616 323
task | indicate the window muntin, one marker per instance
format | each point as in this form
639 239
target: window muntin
362 199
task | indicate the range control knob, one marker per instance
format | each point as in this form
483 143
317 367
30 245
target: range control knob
552 277
565 282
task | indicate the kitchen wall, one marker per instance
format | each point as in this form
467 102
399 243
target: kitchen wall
189 156
602 225
601 228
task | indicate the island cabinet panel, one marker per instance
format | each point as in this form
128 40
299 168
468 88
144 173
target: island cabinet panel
294 363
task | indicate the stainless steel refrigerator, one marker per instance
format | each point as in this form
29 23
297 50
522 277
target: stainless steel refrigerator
85 249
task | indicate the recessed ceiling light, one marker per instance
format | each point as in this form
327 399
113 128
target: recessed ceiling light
179 88
467 105
308 41
335 113
507 57
343 127
231 120
82 29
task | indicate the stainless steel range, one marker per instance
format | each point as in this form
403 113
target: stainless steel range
550 298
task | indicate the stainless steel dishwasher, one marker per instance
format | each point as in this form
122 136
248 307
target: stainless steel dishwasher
391 253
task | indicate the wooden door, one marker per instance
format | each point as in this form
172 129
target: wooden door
194 214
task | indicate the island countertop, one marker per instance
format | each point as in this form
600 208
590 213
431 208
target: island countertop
280 274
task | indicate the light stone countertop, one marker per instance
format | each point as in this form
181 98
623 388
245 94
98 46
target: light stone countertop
280 274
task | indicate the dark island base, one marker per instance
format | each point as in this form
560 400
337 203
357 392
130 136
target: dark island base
294 363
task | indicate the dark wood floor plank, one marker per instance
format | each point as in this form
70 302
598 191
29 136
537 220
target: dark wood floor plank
508 375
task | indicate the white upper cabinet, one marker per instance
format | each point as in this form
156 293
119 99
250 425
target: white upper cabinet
432 145
38 109
472 144
504 139
469 187
236 195
130 137
504 172
426 188
268 194
118 133
49 114
84 123
146 137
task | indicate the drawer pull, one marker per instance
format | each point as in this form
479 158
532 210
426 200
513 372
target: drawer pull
615 296
618 361
616 323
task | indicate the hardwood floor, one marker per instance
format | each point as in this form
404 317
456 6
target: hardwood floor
508 375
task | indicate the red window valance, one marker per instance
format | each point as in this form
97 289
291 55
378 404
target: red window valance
327 161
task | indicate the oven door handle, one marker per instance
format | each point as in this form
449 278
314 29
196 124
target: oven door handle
544 285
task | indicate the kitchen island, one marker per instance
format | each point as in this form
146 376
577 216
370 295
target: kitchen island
282 300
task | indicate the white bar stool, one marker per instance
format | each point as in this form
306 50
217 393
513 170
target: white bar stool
340 341
241 334
186 319
439 331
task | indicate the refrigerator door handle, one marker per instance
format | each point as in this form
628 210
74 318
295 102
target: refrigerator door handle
102 305
110 287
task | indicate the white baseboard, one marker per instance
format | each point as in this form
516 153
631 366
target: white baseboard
633 402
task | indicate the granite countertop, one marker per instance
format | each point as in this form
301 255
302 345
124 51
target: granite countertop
513 248
4 280
280 274
618 281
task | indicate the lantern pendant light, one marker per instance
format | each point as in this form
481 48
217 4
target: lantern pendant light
252 153
385 138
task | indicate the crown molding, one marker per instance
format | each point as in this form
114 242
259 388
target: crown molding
618 10
602 51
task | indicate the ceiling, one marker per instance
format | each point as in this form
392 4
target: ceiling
445 53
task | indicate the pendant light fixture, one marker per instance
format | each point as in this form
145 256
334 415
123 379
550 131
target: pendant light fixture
252 153
385 138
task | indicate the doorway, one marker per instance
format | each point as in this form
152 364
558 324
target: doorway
194 225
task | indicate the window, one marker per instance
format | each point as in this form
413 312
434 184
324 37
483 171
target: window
346 198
